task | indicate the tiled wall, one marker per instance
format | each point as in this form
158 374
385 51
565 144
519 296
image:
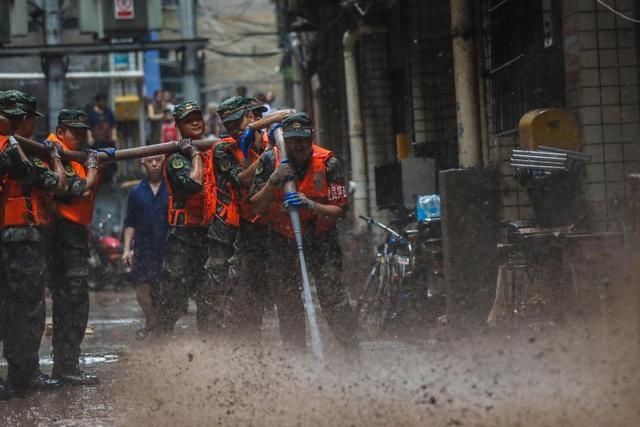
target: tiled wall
601 79
431 71
375 95
602 89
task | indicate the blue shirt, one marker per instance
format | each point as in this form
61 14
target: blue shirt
147 214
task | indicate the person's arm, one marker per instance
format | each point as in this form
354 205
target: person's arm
58 168
263 198
225 163
189 150
91 165
337 197
267 182
179 172
127 254
152 113
245 178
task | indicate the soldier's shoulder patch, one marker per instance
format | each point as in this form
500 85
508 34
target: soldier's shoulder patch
177 163
39 163
225 165
68 170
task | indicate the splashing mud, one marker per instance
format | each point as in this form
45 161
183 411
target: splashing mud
561 376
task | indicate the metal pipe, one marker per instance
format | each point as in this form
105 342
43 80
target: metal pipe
466 84
482 82
54 64
358 156
189 25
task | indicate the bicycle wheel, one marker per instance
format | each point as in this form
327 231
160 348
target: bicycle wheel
387 299
368 307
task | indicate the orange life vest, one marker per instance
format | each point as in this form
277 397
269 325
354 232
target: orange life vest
314 186
229 210
246 209
197 210
80 209
23 205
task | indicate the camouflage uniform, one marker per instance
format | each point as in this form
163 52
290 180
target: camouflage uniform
250 247
189 249
248 261
324 262
23 255
70 265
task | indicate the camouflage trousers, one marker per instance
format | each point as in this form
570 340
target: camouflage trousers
284 288
24 306
250 292
69 291
195 266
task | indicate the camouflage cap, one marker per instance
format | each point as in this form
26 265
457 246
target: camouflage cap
9 103
185 108
28 103
73 118
233 108
297 125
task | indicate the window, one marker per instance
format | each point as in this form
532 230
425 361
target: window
527 61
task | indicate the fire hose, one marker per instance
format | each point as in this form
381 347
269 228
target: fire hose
290 186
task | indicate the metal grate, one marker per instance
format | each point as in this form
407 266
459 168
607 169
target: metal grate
527 60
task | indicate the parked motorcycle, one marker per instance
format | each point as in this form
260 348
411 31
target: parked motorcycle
105 255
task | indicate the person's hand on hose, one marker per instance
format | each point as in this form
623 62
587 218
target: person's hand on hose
272 133
92 160
296 200
53 148
281 175
246 141
187 148
127 258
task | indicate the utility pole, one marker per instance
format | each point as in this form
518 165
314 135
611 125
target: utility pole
54 67
466 84
188 22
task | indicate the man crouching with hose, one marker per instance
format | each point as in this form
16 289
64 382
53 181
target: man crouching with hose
322 199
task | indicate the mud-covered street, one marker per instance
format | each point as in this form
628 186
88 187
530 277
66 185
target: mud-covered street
546 375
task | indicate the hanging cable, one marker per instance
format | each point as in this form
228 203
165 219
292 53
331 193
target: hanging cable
620 14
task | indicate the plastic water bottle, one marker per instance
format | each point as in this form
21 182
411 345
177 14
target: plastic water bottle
428 207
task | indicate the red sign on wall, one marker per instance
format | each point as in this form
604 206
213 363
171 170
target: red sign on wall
124 9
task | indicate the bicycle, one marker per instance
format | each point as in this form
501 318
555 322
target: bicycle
377 305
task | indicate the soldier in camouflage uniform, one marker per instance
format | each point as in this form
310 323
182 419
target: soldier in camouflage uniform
235 159
25 217
192 202
321 200
74 213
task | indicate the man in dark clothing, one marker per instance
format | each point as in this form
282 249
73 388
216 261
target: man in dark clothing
145 235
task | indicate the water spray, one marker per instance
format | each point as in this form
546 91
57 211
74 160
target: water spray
290 186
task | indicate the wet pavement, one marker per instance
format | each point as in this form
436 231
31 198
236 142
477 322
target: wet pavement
572 375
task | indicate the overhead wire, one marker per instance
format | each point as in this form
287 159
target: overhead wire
618 13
